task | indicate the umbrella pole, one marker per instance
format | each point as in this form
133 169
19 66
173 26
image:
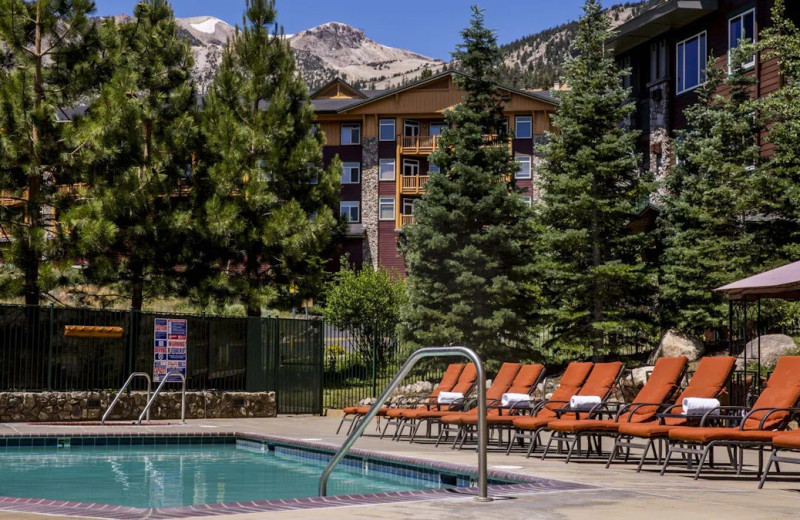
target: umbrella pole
758 331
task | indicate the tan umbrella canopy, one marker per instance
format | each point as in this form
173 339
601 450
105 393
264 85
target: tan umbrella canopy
782 283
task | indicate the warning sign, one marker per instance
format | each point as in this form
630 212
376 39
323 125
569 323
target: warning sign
169 348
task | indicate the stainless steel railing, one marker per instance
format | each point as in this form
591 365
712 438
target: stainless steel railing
128 382
158 390
483 430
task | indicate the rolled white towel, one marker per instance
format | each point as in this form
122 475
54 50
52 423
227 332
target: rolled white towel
699 405
449 397
512 399
584 402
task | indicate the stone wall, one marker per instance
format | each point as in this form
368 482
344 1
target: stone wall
660 160
369 199
77 406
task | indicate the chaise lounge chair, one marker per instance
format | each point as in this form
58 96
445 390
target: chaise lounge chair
757 427
601 382
788 442
653 397
708 381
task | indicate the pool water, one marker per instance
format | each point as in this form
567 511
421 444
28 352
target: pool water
182 475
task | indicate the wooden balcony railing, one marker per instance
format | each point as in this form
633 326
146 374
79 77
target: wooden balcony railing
413 184
407 220
419 144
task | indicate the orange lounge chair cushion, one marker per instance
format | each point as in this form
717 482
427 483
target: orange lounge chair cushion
503 381
708 380
571 383
527 376
790 440
449 379
646 430
425 414
601 379
583 425
663 381
782 391
532 423
466 381
703 435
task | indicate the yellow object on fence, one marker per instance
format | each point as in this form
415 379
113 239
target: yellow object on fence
91 331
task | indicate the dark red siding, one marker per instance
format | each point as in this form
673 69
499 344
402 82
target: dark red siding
389 255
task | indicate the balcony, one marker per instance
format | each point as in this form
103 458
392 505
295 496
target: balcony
413 184
407 220
418 144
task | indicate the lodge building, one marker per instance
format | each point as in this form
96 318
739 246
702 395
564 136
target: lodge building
384 138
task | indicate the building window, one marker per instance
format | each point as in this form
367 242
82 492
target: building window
742 27
387 130
527 199
658 60
386 171
386 208
432 168
350 210
408 206
351 173
691 63
524 127
524 167
410 128
410 167
438 128
351 134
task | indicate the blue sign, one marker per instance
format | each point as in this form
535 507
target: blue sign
169 348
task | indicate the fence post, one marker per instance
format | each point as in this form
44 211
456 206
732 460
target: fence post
131 338
50 352
276 349
321 407
375 361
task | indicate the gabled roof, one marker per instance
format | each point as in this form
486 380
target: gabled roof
341 86
336 106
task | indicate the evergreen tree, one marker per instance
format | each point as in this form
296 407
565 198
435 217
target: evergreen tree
269 207
469 257
594 277
136 145
47 61
779 179
708 208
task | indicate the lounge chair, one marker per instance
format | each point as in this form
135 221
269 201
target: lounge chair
403 418
756 427
653 397
601 382
353 414
500 385
525 382
708 381
788 442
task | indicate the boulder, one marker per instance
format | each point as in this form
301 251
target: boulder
773 346
639 376
675 344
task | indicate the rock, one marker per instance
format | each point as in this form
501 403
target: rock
773 346
675 344
639 376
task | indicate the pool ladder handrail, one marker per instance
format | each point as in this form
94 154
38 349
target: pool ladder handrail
158 390
483 429
133 376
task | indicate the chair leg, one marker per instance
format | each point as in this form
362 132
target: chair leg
644 455
766 470
341 423
386 426
576 441
666 459
613 451
709 447
513 437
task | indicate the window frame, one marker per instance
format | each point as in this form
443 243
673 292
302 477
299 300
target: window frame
384 201
349 167
516 127
433 168
351 126
518 174
380 129
350 205
702 59
752 63
381 162
411 162
414 124
527 199
409 202
438 124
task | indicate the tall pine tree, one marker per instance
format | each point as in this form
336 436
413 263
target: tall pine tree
593 274
470 255
706 222
136 144
47 62
269 213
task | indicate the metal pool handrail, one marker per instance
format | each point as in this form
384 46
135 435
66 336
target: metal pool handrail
158 390
483 430
128 382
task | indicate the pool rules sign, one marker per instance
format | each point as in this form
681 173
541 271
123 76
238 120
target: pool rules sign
169 348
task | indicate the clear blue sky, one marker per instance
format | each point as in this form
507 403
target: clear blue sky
429 27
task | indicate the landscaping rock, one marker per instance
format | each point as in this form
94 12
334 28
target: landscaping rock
675 344
773 346
639 376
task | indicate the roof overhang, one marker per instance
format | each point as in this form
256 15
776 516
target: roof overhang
782 282
659 20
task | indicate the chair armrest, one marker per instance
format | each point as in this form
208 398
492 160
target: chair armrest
719 409
631 408
769 411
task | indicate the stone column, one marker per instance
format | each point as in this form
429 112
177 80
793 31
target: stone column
369 199
660 141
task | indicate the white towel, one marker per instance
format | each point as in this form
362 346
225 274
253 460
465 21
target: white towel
584 402
512 399
449 397
699 405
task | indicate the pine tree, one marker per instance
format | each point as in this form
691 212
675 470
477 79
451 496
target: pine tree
47 61
136 145
269 208
469 256
593 275
709 234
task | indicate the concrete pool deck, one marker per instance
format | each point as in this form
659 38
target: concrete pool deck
621 492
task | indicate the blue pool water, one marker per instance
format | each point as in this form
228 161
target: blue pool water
181 475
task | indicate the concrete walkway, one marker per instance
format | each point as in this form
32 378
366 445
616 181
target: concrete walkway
622 492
